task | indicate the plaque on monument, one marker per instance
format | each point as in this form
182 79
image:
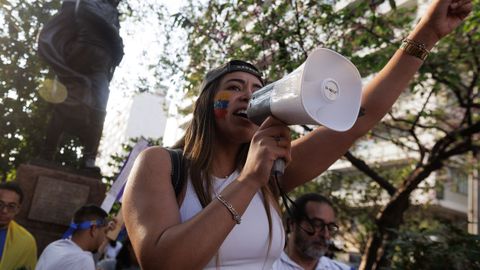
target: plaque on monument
52 194
55 200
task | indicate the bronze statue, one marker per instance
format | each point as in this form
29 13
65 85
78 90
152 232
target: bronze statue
83 46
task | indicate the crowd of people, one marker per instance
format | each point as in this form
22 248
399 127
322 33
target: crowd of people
84 246
226 212
310 226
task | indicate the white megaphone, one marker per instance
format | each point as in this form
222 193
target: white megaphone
325 90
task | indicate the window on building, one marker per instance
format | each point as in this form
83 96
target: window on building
458 180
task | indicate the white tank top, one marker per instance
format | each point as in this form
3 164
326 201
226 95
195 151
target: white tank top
246 245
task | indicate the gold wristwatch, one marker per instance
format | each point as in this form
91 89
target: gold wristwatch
414 48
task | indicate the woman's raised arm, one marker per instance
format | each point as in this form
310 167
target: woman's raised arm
315 152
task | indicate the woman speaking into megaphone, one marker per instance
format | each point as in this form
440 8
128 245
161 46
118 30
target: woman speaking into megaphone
226 213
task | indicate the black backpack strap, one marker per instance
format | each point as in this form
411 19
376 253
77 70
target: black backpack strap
178 169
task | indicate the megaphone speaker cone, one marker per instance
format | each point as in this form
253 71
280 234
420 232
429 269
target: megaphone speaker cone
325 90
342 80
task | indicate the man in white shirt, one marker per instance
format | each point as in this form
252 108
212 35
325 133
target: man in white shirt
88 231
310 225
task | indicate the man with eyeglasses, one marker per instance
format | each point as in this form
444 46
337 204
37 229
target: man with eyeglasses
85 235
18 249
310 226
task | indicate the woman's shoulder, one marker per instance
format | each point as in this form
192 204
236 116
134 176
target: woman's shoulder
154 150
154 154
154 160
152 171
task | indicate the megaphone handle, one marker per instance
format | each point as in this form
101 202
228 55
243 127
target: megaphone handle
279 167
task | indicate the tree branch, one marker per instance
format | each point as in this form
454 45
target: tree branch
394 141
459 134
403 120
363 167
421 148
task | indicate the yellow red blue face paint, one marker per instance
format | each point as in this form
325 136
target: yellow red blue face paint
220 104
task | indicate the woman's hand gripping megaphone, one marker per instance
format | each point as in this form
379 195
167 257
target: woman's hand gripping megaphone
269 150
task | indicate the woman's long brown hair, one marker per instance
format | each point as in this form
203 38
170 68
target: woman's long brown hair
198 151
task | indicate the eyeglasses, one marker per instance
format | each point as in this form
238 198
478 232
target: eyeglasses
11 207
310 226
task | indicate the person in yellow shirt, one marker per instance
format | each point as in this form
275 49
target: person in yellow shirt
18 249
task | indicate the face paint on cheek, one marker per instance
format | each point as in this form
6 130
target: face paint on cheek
220 104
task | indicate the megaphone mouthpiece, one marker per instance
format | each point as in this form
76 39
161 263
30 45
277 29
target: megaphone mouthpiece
259 106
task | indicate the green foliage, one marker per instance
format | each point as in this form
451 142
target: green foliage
23 113
441 247
278 35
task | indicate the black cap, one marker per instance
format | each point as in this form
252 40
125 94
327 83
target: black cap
232 66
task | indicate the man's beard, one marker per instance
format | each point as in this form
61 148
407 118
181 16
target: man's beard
313 249
314 253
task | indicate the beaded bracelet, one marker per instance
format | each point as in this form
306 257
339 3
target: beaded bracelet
230 208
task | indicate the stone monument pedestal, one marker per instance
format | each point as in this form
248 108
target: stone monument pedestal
52 194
